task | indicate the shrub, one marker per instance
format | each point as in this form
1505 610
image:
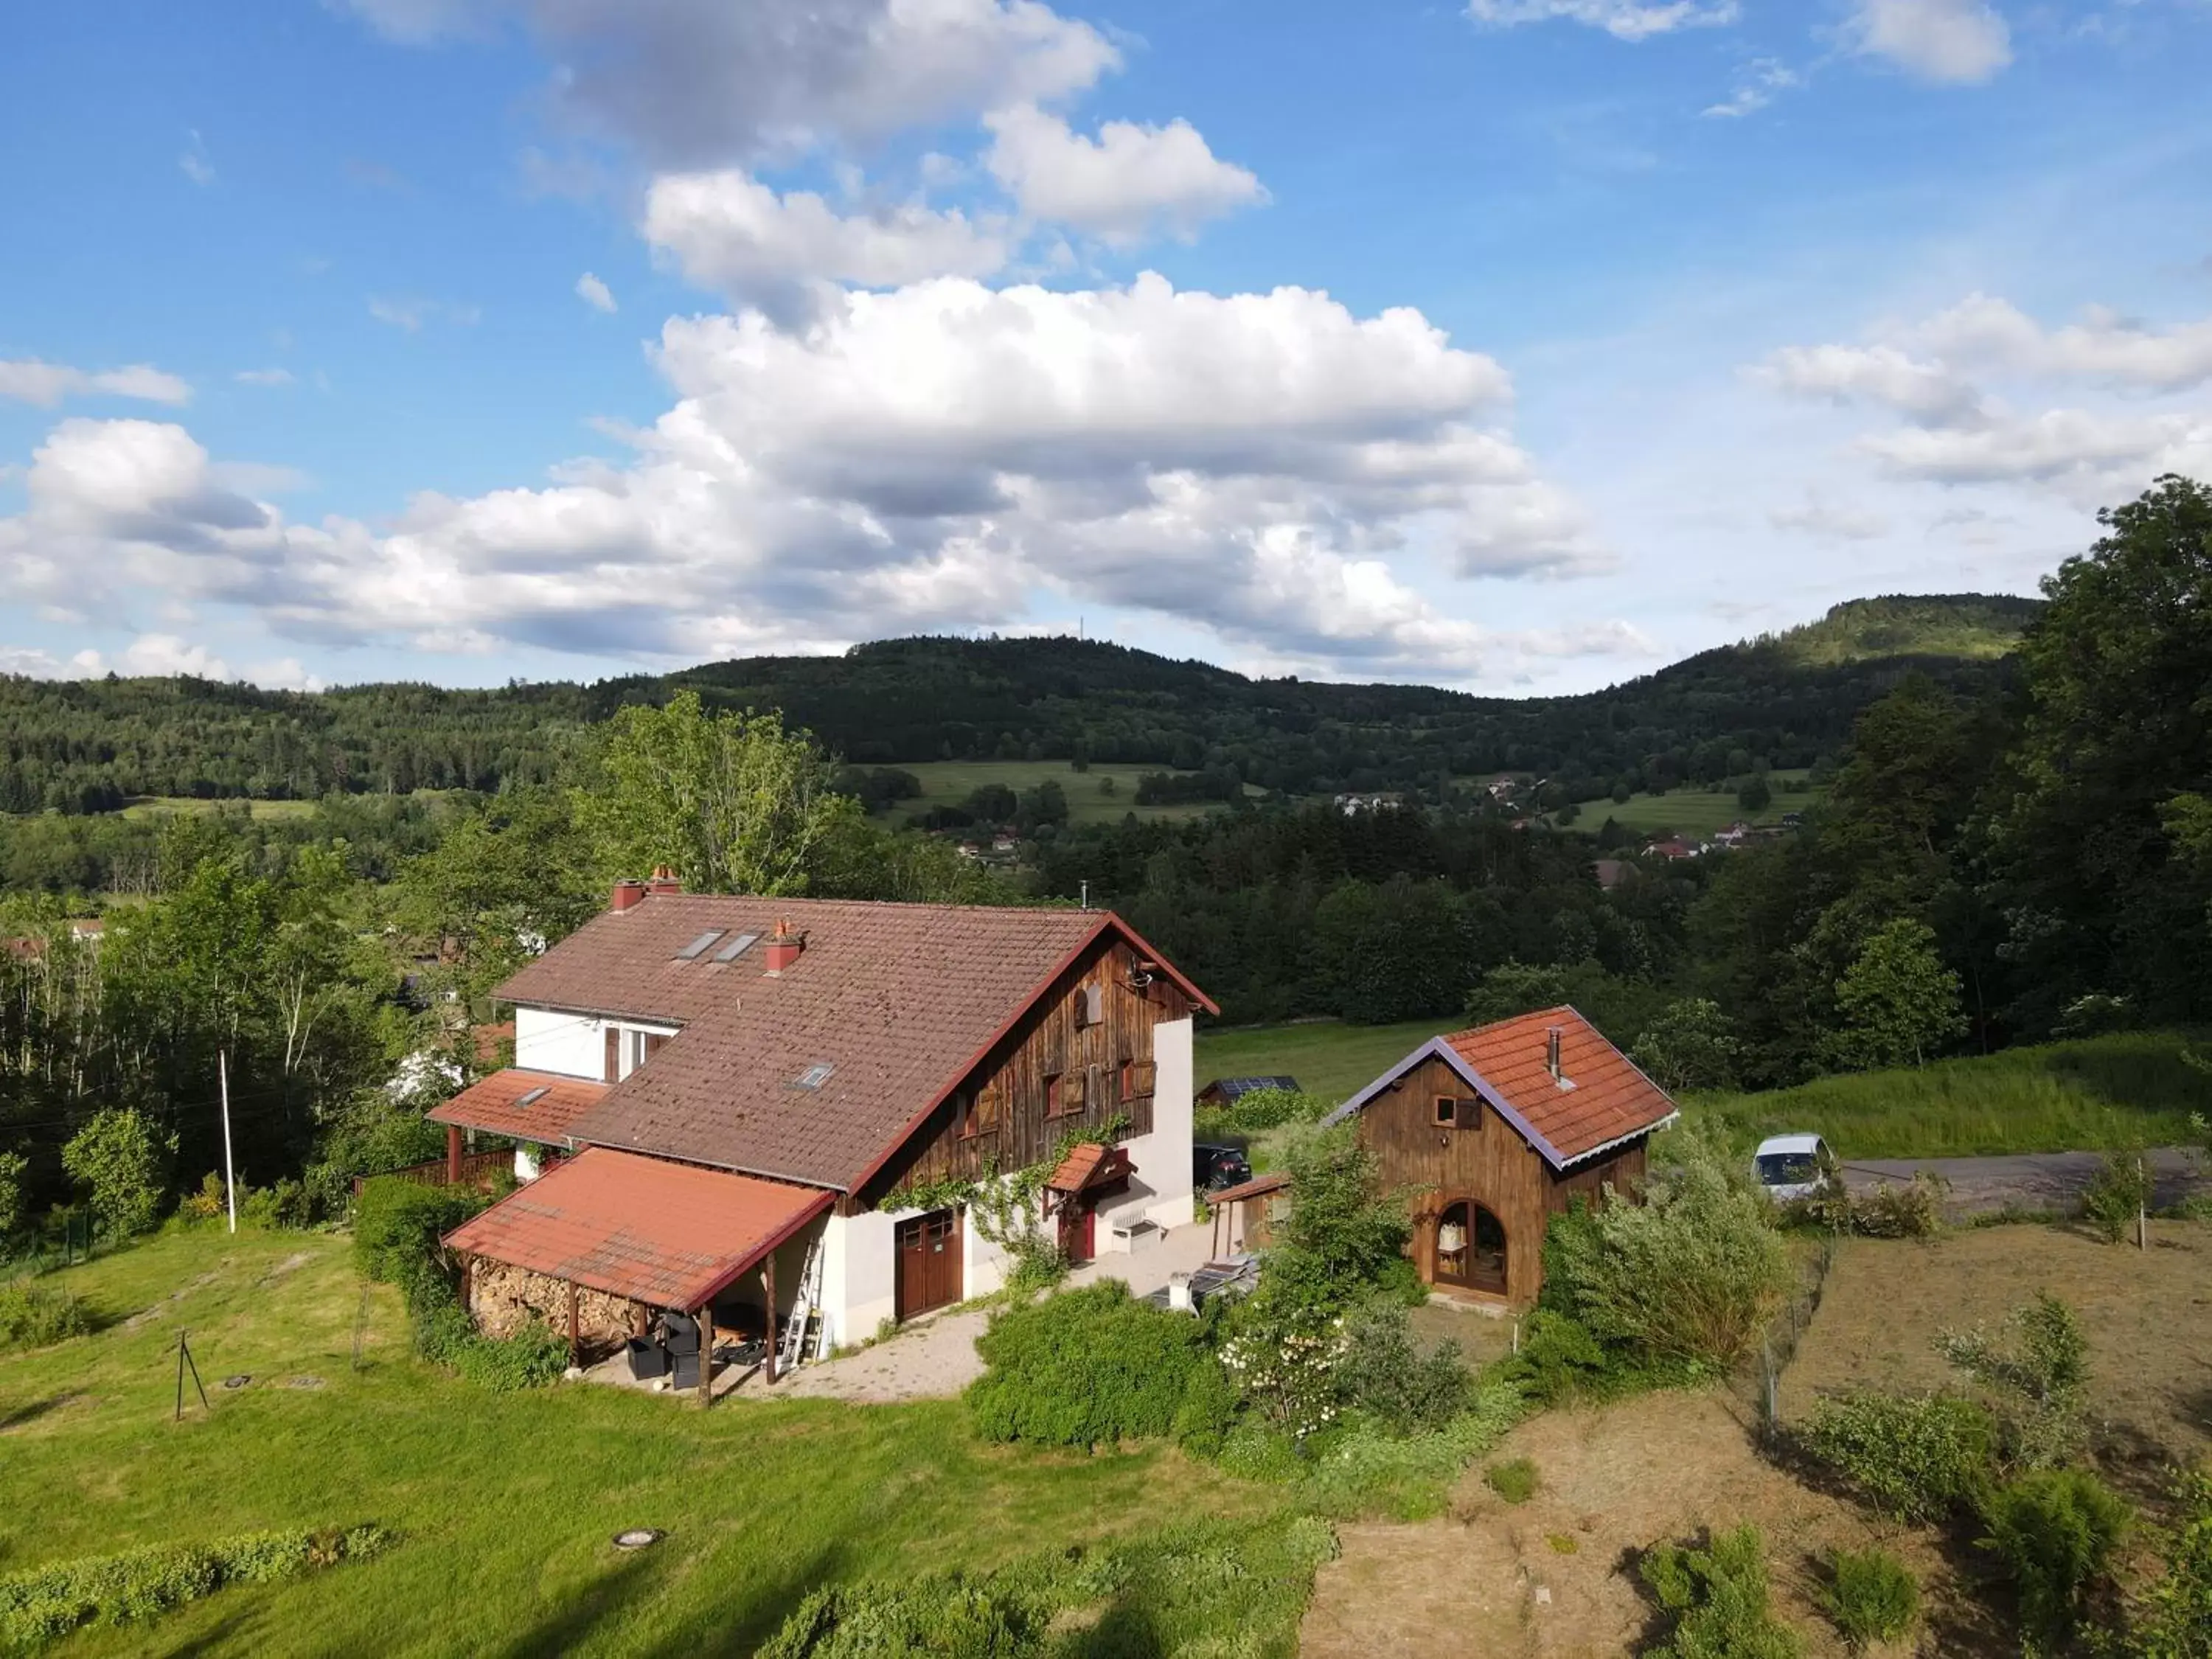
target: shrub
2118 1193
124 1164
397 1224
1691 1275
1208 1410
2037 1376
1514 1482
1719 1597
1909 1209
1382 1372
1558 1359
1342 1237
1871 1595
284 1205
2174 1618
13 1167
47 1602
1083 1368
1913 1457
1258 1109
2055 1532
33 1314
530 1358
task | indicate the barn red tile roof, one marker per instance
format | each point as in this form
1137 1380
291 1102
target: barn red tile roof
499 1104
1600 1099
670 1235
816 1074
1088 1165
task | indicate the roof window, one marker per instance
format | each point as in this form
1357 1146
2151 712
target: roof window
698 947
736 948
815 1075
534 1095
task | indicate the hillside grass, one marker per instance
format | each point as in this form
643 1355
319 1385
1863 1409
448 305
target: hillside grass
1329 1058
1698 811
949 783
504 1503
2119 1092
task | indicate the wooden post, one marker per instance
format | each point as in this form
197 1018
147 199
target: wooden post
452 1154
706 1356
768 1280
574 1344
468 1284
2142 1208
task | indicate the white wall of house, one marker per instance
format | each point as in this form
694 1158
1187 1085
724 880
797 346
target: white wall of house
1161 1160
574 1045
570 1044
859 1274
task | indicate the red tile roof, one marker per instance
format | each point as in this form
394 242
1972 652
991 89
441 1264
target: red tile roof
495 1105
669 1235
1088 1165
1604 1099
897 1001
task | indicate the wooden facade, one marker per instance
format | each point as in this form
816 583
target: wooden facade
1463 1165
1079 1059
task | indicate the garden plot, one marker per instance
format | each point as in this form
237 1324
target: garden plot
2148 1315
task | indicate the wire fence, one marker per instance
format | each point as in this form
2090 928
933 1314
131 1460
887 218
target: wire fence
63 1237
1786 1331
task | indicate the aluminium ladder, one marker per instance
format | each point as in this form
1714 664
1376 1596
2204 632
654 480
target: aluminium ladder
805 1315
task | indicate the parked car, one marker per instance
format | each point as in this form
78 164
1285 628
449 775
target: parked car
1791 1166
1215 1167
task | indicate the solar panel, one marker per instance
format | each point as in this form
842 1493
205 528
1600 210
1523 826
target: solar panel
698 947
534 1096
735 948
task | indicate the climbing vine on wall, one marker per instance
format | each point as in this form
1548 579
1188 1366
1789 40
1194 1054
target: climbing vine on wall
1006 1209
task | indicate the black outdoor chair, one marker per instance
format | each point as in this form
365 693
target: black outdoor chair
647 1359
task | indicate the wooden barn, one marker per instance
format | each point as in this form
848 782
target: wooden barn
1494 1131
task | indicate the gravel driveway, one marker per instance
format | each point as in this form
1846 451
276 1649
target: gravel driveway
2033 1180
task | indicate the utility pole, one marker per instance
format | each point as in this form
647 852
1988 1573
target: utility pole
229 1175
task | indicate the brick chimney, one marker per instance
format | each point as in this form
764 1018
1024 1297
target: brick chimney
664 881
627 894
784 945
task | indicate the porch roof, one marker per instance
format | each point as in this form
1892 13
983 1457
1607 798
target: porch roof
1258 1187
669 1235
522 1105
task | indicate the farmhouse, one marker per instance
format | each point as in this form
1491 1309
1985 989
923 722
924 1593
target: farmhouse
744 1091
1496 1130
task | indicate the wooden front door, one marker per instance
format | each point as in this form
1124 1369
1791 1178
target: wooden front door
1078 1229
928 1262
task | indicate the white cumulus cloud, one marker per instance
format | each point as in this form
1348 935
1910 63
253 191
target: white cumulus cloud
1121 186
1270 468
728 230
595 292
698 83
1625 20
1949 40
31 380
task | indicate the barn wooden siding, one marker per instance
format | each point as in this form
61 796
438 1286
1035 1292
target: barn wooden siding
1484 1159
1004 1098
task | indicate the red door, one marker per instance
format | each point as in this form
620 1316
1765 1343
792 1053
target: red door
1078 1229
928 1263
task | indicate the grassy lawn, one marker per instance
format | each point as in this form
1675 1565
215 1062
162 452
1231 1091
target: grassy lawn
146 806
1328 1057
1695 811
503 1504
2131 1090
948 783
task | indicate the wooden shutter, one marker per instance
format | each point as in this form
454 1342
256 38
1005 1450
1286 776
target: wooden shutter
1144 1078
1467 1113
652 1042
1073 1091
614 1054
990 1105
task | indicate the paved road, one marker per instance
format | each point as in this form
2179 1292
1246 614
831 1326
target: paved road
2036 1181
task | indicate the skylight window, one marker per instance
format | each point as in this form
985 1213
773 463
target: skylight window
816 1075
534 1096
736 947
698 947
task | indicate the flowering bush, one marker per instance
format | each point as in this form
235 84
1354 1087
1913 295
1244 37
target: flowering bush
1286 1367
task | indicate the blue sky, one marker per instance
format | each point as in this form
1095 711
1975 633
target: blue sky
1515 344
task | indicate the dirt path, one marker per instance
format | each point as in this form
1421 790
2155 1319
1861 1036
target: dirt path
1555 1578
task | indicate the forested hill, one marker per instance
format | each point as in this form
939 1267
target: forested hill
1786 700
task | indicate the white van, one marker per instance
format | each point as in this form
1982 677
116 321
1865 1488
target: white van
1791 1166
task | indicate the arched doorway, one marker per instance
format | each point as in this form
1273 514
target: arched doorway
1470 1248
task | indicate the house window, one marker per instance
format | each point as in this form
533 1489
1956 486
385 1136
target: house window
1458 1112
967 1116
1089 1005
1056 1094
1447 1111
990 1106
1470 1246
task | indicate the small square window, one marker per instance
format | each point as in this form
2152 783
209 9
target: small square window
1055 1095
1447 1111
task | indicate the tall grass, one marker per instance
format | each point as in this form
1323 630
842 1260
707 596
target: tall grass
2132 1088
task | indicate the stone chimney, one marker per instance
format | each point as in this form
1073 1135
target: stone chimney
663 882
784 945
627 893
